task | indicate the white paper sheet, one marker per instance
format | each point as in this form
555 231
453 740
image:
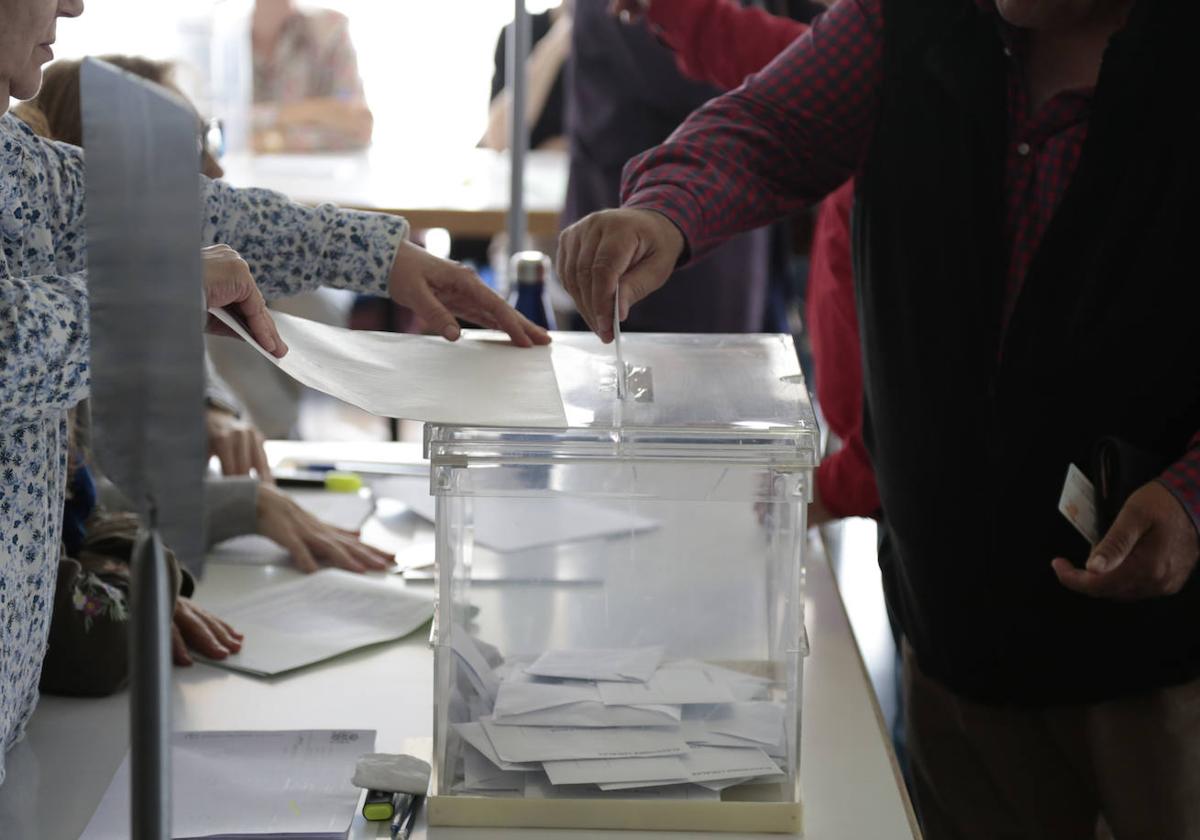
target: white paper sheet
743 686
713 764
540 788
555 743
477 669
319 616
670 686
664 769
507 525
475 736
603 664
594 714
481 379
517 698
761 722
480 774
269 784
697 733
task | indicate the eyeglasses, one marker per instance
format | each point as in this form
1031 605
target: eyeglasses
212 137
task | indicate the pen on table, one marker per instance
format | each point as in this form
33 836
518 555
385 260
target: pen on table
405 818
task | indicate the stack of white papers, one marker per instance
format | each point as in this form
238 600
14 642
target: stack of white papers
597 722
319 616
281 785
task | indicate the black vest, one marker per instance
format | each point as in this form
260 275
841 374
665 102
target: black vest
971 440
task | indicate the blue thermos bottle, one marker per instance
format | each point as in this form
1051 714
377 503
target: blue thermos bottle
529 271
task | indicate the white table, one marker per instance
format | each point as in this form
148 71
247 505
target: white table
59 773
464 191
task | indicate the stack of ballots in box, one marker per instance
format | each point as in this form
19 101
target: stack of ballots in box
615 722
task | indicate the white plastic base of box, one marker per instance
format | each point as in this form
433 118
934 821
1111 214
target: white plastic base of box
617 814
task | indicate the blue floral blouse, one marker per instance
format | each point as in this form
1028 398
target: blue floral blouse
44 352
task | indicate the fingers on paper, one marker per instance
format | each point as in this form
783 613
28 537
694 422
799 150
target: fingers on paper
258 458
201 632
260 324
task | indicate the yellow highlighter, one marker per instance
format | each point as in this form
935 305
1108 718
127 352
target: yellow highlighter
379 805
343 482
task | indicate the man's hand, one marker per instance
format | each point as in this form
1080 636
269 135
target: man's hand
312 542
629 11
228 283
633 250
196 628
818 514
437 290
1150 551
237 443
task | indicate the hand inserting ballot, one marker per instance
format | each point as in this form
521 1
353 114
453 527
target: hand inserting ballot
628 252
1150 551
438 290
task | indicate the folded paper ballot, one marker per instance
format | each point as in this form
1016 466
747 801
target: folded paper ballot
474 734
480 380
760 721
480 774
666 769
318 616
594 714
629 665
675 685
282 785
539 787
550 743
517 698
570 723
572 704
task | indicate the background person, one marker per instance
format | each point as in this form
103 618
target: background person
308 95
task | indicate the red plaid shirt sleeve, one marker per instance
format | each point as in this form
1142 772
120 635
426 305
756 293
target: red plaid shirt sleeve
720 41
1183 479
783 140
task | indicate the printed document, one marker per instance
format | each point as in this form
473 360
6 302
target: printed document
319 616
286 784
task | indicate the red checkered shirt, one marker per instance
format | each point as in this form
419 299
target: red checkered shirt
797 130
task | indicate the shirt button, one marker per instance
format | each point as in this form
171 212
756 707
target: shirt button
1023 149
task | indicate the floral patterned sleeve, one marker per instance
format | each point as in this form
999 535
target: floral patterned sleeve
43 291
292 248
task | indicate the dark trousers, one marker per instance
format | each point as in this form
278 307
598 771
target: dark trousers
1129 766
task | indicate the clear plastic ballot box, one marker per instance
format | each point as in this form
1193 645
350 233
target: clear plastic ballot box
619 639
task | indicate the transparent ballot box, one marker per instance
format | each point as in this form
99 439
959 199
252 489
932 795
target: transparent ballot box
619 639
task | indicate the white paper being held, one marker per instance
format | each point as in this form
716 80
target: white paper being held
482 379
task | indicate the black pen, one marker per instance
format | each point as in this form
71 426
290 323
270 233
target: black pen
405 818
403 807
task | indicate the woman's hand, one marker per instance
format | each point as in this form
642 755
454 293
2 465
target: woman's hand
310 541
196 628
237 443
228 283
437 290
